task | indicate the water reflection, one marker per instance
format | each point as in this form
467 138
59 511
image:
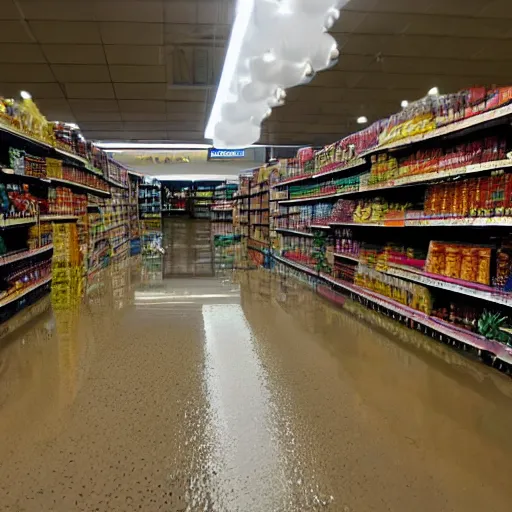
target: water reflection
245 450
240 391
396 395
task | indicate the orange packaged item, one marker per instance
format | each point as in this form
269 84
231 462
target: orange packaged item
436 258
469 264
453 261
484 266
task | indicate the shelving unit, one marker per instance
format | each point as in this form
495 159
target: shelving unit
202 200
175 198
259 242
133 213
62 201
223 203
452 178
150 211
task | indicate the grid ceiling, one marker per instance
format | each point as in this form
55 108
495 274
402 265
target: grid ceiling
146 69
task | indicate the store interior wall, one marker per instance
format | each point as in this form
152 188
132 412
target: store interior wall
254 157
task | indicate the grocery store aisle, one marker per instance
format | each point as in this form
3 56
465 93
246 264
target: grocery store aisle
175 388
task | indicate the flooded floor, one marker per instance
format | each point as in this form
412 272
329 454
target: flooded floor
179 387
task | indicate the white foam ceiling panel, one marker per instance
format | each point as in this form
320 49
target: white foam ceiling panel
147 69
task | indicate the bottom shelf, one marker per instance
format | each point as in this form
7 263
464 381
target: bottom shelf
16 296
480 343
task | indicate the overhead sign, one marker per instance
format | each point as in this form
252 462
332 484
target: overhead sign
150 158
225 154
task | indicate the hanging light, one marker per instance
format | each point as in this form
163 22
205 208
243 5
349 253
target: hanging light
286 74
274 45
235 135
362 120
26 95
332 16
326 54
316 6
257 91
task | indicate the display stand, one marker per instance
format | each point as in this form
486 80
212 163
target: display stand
347 219
150 211
63 209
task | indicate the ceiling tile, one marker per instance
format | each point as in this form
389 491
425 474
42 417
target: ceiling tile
178 135
182 106
345 79
38 91
384 23
186 116
491 51
74 54
9 11
97 116
162 125
125 135
146 126
181 33
56 110
395 6
101 125
208 12
24 73
186 94
84 105
81 73
14 32
144 12
89 91
464 27
134 55
132 33
156 106
184 11
64 116
52 32
355 63
21 53
144 116
54 10
137 73
349 21
140 91
456 7
56 104
409 46
497 9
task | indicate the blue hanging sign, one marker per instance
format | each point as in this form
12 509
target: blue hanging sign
225 154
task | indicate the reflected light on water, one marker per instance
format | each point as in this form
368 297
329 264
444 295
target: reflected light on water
245 452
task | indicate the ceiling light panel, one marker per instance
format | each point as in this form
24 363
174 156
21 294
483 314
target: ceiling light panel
274 45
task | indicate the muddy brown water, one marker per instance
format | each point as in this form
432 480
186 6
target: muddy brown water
176 387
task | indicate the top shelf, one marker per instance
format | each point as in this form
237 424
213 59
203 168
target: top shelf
490 117
77 160
13 131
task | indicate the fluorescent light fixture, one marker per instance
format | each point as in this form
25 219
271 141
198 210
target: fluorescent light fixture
197 177
119 147
404 104
362 120
26 95
151 145
244 11
167 296
434 91
274 45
